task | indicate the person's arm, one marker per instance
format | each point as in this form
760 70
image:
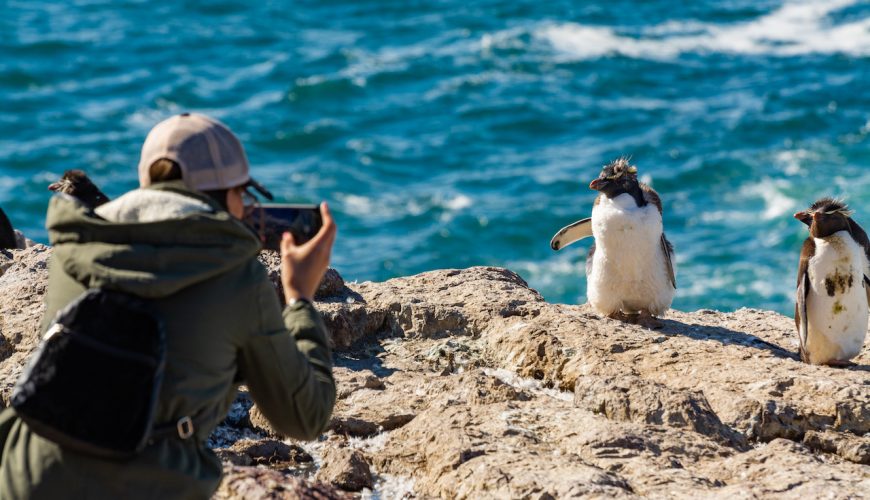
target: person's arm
288 368
290 376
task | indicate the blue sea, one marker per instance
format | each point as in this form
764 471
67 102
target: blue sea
455 133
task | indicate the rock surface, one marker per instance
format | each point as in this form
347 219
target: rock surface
467 384
22 288
331 285
346 469
257 483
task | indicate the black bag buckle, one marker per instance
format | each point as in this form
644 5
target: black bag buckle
185 427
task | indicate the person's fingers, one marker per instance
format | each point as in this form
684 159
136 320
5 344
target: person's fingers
326 214
329 222
287 243
326 235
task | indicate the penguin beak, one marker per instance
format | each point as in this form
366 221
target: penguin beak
804 217
597 184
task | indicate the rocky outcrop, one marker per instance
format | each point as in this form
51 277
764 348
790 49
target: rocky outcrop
331 285
347 469
22 289
467 384
268 452
259 483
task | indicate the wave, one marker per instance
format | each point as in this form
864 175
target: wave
441 205
777 204
796 28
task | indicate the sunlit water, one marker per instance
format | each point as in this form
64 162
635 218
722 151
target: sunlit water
459 133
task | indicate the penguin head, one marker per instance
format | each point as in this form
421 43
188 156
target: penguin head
616 178
78 184
826 217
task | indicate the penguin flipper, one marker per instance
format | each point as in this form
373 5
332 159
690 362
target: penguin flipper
651 196
867 288
800 316
668 251
803 289
860 237
7 234
571 233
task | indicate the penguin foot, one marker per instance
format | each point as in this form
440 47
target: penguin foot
840 364
621 316
641 318
648 321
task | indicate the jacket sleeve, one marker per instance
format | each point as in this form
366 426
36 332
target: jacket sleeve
287 366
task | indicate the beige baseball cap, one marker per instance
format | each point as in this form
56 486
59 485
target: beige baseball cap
209 154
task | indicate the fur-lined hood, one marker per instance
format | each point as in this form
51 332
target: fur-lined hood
151 242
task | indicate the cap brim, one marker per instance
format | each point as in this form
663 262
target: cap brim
260 189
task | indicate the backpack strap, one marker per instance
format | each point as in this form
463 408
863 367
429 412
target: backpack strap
184 428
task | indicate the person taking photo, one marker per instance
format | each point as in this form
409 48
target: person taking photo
178 242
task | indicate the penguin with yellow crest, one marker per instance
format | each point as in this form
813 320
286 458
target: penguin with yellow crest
833 289
630 267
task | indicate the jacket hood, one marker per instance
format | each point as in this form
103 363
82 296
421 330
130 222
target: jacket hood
151 242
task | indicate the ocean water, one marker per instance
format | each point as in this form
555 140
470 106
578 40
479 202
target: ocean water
456 133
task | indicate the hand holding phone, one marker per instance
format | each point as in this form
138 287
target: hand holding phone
303 265
272 220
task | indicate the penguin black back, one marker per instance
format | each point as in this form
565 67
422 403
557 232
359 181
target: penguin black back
77 183
7 234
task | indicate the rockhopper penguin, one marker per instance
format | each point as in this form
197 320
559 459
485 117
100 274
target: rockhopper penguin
77 183
833 288
629 268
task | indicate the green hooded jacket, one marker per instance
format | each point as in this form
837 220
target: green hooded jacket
198 265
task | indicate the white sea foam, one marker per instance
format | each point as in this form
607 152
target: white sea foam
702 287
388 486
795 162
9 185
458 202
555 270
372 444
776 203
395 206
796 28
527 384
354 203
235 76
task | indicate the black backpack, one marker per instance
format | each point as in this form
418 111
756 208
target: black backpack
93 384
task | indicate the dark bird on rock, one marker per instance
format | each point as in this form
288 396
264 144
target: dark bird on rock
7 234
76 183
833 288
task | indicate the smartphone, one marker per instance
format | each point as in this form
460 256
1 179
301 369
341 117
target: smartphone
271 220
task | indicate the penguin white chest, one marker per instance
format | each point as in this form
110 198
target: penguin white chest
837 309
628 268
